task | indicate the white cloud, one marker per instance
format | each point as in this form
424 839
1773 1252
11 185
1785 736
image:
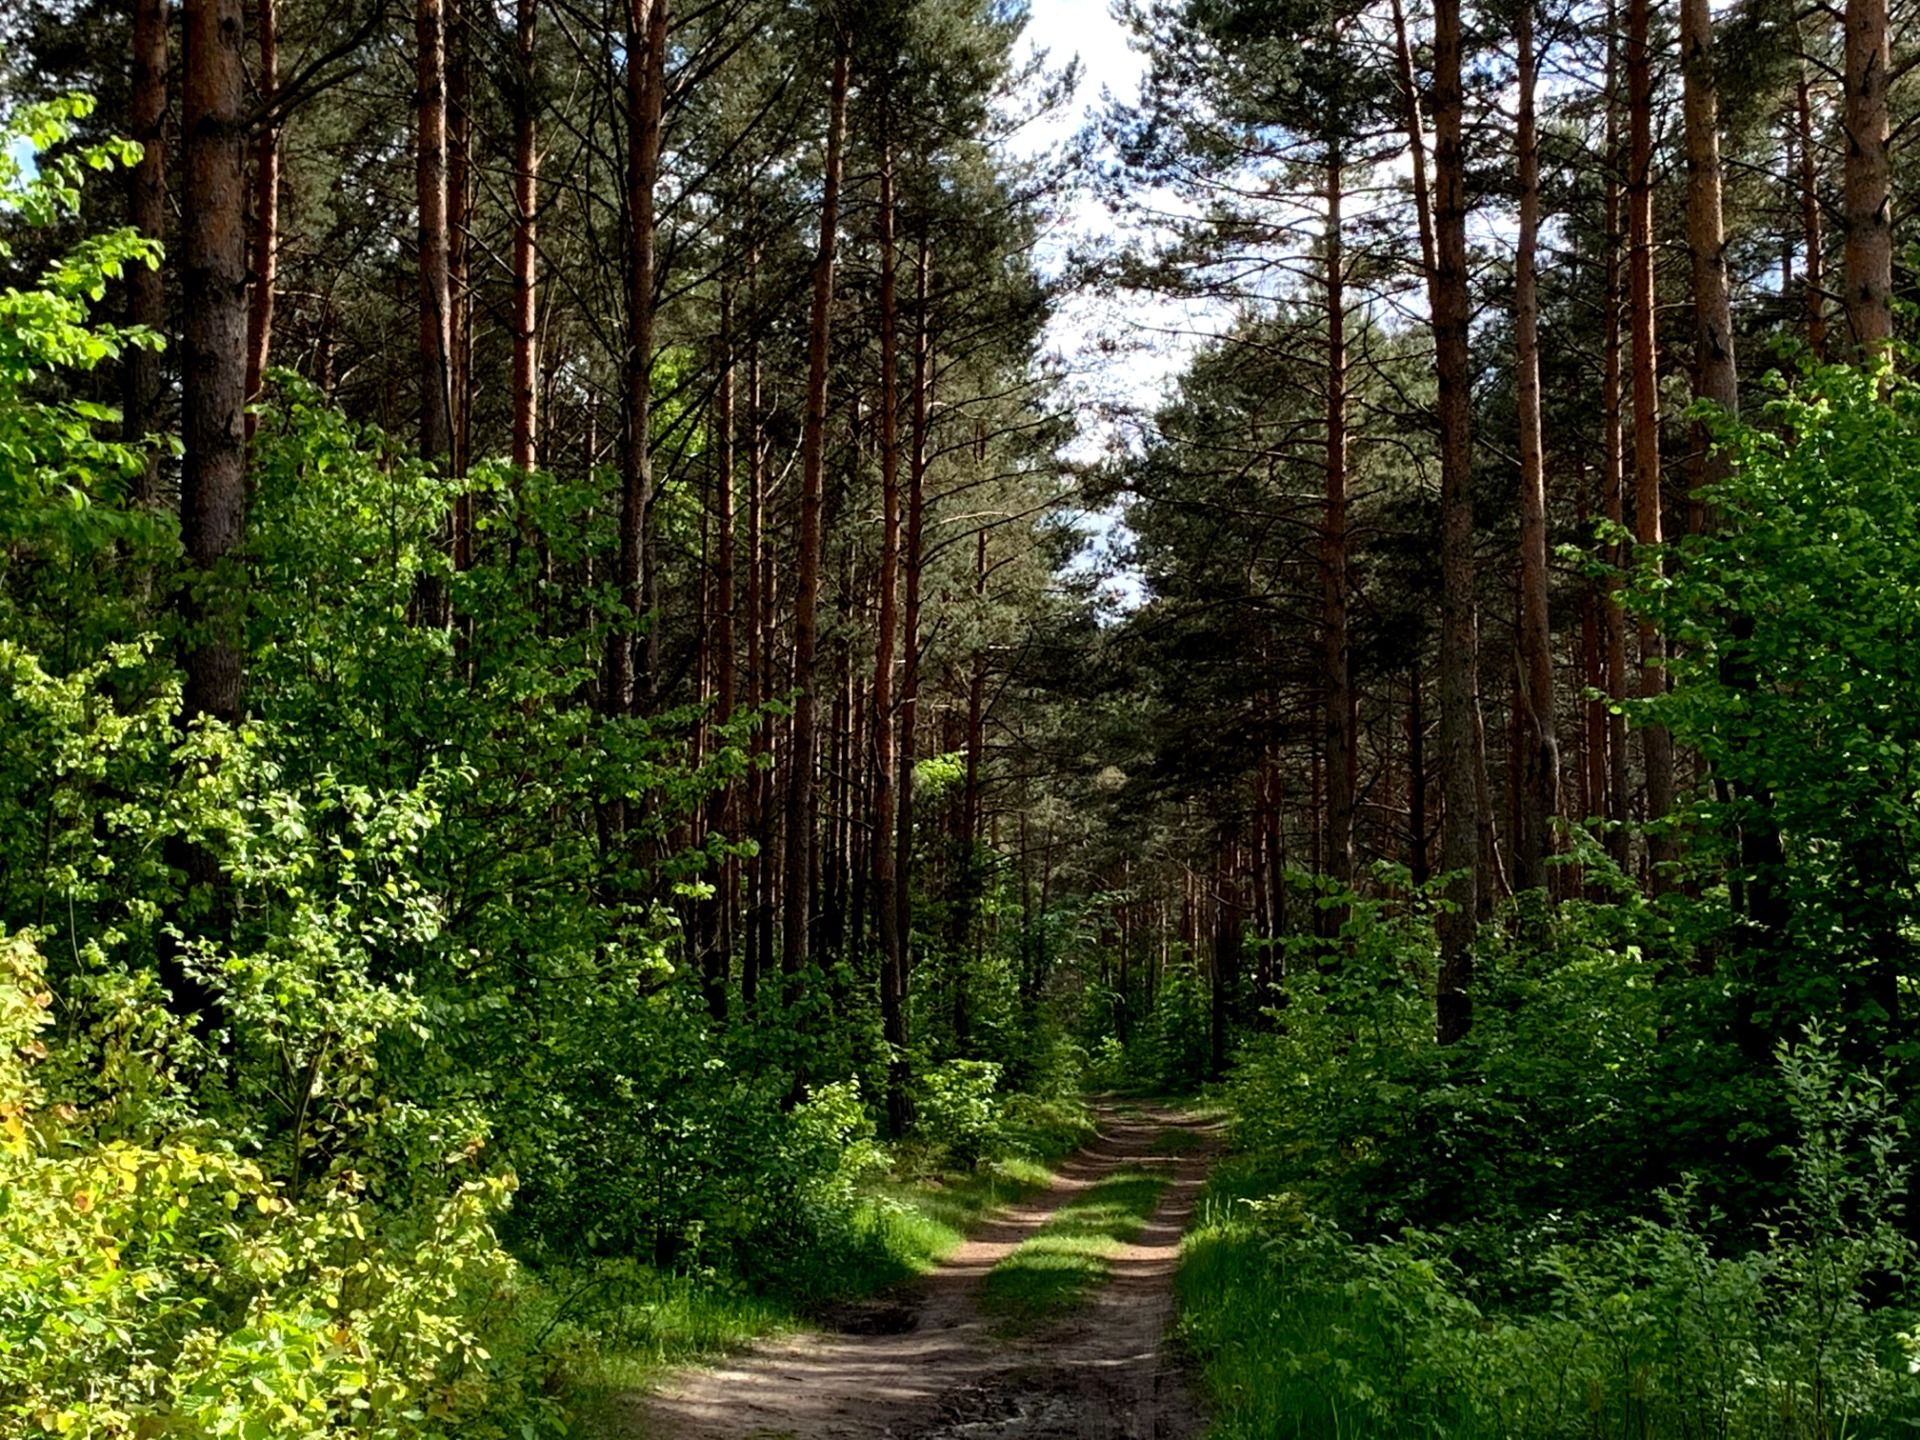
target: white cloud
1086 30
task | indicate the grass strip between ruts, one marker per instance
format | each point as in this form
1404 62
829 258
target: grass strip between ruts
1069 1256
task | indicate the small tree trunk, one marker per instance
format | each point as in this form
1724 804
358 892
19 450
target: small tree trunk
646 80
1338 710
775 678
912 560
1656 743
758 915
966 900
1416 141
1228 919
459 287
893 1012
266 205
526 182
1613 482
717 909
1813 244
1417 866
1461 768
1716 377
430 194
1593 672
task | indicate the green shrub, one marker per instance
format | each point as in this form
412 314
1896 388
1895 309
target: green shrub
1172 1049
958 1108
173 1287
1648 1329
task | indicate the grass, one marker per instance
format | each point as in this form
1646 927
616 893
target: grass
1281 1356
1246 1329
1292 1353
1069 1256
618 1326
905 1226
1266 1345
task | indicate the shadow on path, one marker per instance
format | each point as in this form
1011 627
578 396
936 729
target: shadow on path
1100 1373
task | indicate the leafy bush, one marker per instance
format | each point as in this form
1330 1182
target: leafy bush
174 1287
1172 1049
1649 1328
1043 1127
958 1108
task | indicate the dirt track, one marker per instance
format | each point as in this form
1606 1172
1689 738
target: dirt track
944 1374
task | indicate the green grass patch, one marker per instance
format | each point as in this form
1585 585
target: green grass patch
618 1326
1282 1356
614 1326
1055 1269
1276 1352
1248 1329
1301 1334
904 1227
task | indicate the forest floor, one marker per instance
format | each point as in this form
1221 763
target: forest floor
1074 1348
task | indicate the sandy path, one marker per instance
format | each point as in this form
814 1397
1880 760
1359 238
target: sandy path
1102 1373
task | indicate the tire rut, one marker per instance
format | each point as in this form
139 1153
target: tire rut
935 1368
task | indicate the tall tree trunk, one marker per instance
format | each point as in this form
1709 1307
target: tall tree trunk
1867 181
1613 479
1538 797
759 865
266 204
1593 673
526 183
802 797
830 928
1715 375
459 287
1462 778
718 908
646 82
966 899
213 493
1813 244
893 1012
912 561
430 195
147 213
1656 743
776 678
1339 707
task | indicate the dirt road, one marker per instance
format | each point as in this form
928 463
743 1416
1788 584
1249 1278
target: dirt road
943 1373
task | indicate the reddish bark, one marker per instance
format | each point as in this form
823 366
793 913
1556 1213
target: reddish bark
214 365
1537 794
1461 766
802 797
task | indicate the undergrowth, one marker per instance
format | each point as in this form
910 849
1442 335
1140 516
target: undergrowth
617 1326
1648 1328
